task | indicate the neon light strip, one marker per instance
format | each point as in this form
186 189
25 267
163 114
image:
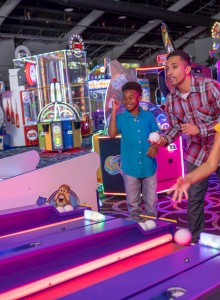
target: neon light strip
123 194
107 137
181 154
149 68
154 218
50 281
41 227
110 193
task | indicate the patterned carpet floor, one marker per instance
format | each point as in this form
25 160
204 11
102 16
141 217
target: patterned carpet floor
116 205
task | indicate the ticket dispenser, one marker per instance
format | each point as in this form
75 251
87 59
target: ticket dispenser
68 142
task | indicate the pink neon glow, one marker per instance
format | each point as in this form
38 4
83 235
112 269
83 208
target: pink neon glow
149 68
83 269
181 154
41 227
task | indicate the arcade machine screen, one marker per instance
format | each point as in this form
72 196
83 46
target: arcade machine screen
152 90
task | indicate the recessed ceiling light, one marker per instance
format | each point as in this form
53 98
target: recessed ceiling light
189 26
122 17
68 9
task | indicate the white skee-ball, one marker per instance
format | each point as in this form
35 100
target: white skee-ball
182 237
68 207
154 137
60 209
143 226
150 224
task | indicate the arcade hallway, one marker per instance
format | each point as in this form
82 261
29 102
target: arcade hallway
116 205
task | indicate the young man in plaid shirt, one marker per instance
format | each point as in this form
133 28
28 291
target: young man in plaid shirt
193 107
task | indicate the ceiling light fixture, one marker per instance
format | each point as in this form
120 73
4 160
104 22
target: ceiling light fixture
189 26
122 17
68 9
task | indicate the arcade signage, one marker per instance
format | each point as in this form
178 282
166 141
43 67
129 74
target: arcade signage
216 35
76 45
98 84
30 73
162 59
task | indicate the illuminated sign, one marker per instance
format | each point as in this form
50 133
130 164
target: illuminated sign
216 35
76 45
30 73
162 59
98 84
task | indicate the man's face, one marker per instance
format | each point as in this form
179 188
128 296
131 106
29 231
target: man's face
177 70
131 99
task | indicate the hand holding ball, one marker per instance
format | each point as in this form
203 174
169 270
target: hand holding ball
154 137
183 237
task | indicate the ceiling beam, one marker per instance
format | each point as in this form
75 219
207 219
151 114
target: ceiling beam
84 23
7 8
140 10
117 51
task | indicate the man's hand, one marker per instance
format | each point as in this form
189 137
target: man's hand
152 151
162 141
180 188
189 129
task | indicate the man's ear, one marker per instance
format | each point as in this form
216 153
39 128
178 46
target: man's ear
188 70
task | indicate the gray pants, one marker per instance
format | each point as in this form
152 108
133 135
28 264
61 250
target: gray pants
134 187
195 212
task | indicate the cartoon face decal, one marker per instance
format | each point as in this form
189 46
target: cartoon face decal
63 196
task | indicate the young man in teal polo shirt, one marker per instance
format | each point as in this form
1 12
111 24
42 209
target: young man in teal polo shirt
137 154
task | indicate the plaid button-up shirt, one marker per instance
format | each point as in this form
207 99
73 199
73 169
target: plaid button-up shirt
201 108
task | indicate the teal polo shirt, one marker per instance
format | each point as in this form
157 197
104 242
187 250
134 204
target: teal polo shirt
135 132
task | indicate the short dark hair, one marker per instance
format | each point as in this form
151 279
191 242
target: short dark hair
132 85
185 56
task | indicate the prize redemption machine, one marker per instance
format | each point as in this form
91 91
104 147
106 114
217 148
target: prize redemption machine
21 107
64 73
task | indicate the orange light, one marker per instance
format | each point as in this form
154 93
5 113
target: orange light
116 194
150 68
41 227
83 269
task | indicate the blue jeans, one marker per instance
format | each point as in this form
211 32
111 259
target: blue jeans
195 211
134 187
